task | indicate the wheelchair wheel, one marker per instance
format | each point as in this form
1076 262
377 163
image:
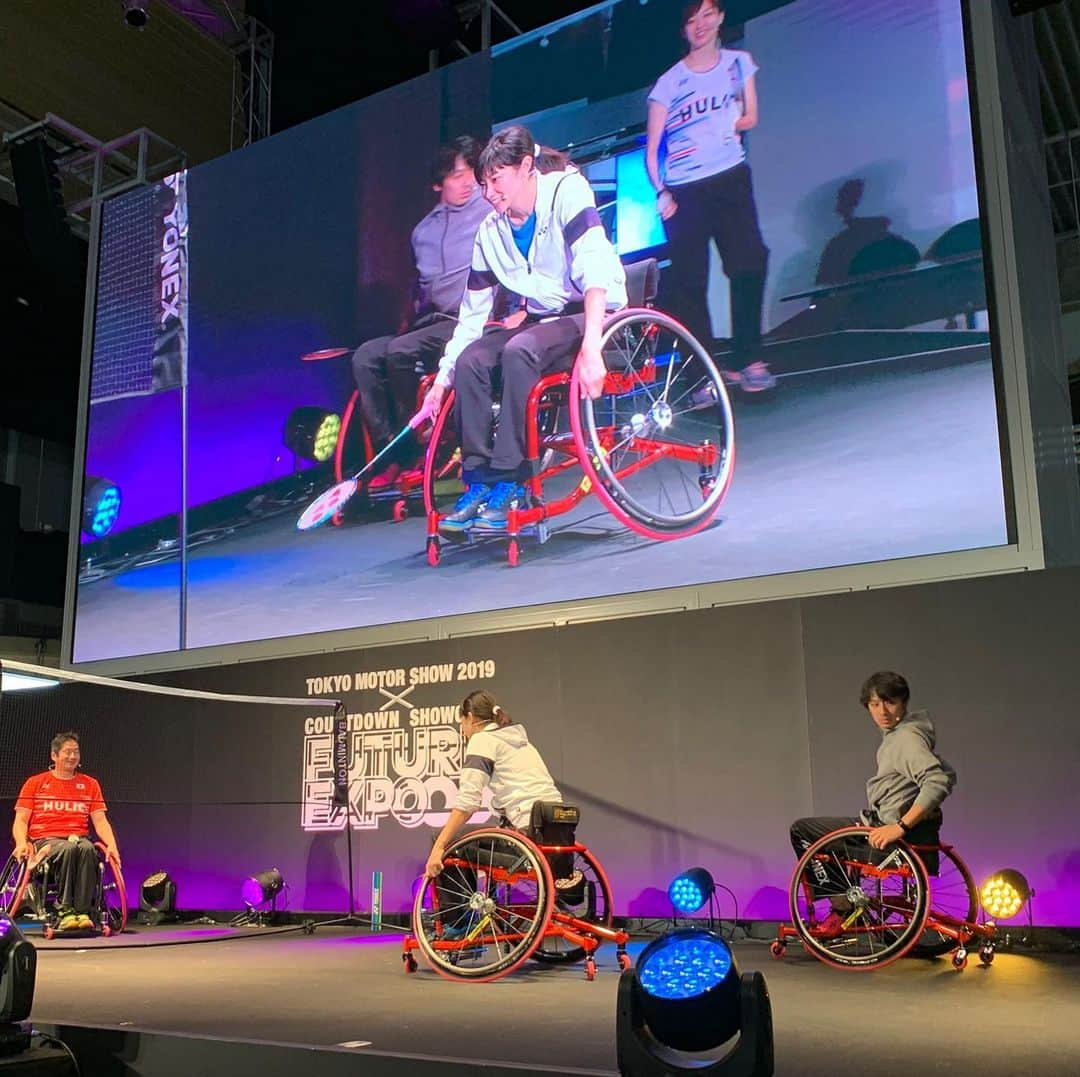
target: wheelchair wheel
13 886
887 891
442 461
112 904
585 894
487 911
659 444
954 903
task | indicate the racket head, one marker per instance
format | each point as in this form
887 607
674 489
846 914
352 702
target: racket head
326 505
323 353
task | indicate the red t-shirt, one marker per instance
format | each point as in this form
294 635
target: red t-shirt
58 806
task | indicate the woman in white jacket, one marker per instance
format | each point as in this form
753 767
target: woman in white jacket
545 243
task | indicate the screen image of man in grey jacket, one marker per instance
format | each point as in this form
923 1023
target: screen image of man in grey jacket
385 369
905 793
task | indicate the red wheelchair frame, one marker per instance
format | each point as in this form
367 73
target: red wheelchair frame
895 909
110 904
514 909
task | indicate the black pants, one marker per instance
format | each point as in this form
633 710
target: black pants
386 375
828 877
720 208
523 356
73 869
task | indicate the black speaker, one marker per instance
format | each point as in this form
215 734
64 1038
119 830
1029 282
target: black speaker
1025 7
41 198
18 973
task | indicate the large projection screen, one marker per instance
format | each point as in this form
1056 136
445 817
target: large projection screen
230 301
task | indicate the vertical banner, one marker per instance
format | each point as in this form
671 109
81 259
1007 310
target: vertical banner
170 339
376 901
341 757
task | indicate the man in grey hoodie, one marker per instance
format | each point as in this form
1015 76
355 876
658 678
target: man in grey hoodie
904 796
385 368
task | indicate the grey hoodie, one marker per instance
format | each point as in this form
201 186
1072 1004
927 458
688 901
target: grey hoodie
909 771
442 246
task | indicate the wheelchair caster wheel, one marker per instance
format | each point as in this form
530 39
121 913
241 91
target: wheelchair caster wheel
409 962
986 956
434 554
106 931
513 553
778 949
309 927
401 510
48 932
960 960
624 961
590 969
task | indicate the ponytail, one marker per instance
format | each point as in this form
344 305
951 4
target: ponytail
511 146
482 705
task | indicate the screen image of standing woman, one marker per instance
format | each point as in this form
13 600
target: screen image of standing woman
698 111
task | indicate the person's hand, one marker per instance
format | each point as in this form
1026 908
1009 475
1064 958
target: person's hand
592 368
512 321
743 123
666 205
434 864
429 409
24 850
881 837
113 854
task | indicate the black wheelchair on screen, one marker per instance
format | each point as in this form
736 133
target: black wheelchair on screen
26 888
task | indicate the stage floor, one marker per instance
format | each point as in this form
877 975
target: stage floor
341 986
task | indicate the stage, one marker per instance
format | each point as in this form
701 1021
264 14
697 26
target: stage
341 993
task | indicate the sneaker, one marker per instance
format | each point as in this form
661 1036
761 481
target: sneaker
757 378
85 923
464 513
503 497
385 479
69 922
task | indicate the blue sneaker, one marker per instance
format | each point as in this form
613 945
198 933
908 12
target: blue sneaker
467 508
503 497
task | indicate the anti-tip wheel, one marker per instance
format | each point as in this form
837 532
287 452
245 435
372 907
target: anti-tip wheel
409 962
513 553
778 949
401 510
434 553
590 969
624 961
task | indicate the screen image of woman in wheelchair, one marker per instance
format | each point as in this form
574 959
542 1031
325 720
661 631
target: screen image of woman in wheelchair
494 897
53 851
861 893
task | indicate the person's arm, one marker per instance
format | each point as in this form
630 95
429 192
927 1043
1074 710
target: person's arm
749 118
458 818
103 829
476 306
591 358
935 781
666 205
19 829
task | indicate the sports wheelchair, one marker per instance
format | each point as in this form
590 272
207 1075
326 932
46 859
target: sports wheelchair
894 909
505 896
657 447
25 884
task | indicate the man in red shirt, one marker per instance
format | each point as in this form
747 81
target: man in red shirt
55 809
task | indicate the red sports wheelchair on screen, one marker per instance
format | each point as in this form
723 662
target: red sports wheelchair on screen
504 897
657 447
906 899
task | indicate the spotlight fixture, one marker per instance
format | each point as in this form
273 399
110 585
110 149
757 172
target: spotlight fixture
684 995
157 899
1004 894
262 887
135 14
101 506
689 891
312 433
23 682
18 973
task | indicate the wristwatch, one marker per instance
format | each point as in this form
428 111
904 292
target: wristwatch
903 826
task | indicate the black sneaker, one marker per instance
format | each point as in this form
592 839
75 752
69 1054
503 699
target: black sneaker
465 511
503 497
